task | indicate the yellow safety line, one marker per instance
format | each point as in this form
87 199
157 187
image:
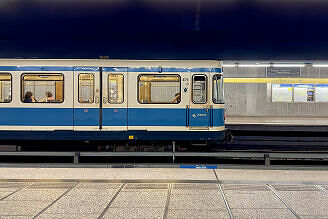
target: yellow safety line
277 80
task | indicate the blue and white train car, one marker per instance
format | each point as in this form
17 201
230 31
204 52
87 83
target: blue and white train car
111 100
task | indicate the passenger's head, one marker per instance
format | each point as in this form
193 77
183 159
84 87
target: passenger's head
28 95
48 94
177 95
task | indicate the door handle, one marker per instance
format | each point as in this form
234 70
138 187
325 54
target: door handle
104 100
97 99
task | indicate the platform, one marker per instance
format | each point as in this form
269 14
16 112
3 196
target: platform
277 120
277 123
163 193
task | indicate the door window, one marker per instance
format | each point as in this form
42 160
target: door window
218 95
199 89
115 88
86 88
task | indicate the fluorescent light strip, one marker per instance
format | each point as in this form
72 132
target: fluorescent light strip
229 65
254 65
288 65
320 65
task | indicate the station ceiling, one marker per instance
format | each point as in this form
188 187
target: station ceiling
165 29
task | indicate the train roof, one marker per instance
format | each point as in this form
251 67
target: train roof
112 63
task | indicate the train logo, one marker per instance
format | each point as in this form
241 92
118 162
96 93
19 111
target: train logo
198 115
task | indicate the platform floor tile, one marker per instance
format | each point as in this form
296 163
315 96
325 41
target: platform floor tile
307 201
262 213
35 195
134 213
251 196
68 216
140 199
201 214
21 208
209 202
15 217
8 189
193 188
91 192
80 204
55 185
260 200
254 201
5 193
314 217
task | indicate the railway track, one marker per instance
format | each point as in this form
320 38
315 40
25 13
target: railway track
170 157
248 146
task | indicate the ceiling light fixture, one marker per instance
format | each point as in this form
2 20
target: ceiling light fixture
229 65
254 65
288 65
320 65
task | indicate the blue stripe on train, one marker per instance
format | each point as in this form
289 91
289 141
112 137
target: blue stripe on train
86 117
36 116
90 117
110 117
156 117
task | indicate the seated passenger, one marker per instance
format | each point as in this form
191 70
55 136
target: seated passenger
176 98
8 99
48 97
29 98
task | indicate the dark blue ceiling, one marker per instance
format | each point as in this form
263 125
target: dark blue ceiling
165 29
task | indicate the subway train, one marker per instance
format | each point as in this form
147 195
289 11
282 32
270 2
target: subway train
111 100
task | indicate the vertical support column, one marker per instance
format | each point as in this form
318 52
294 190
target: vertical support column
173 151
76 157
266 159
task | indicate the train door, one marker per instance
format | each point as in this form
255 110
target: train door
199 115
114 99
87 116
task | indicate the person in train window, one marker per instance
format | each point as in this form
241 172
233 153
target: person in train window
48 97
8 99
176 98
29 98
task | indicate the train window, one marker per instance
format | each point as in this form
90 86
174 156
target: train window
5 88
199 89
159 89
115 88
42 88
218 96
86 88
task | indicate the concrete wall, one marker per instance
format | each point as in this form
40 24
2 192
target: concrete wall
252 99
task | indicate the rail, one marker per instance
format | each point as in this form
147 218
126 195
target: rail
258 155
